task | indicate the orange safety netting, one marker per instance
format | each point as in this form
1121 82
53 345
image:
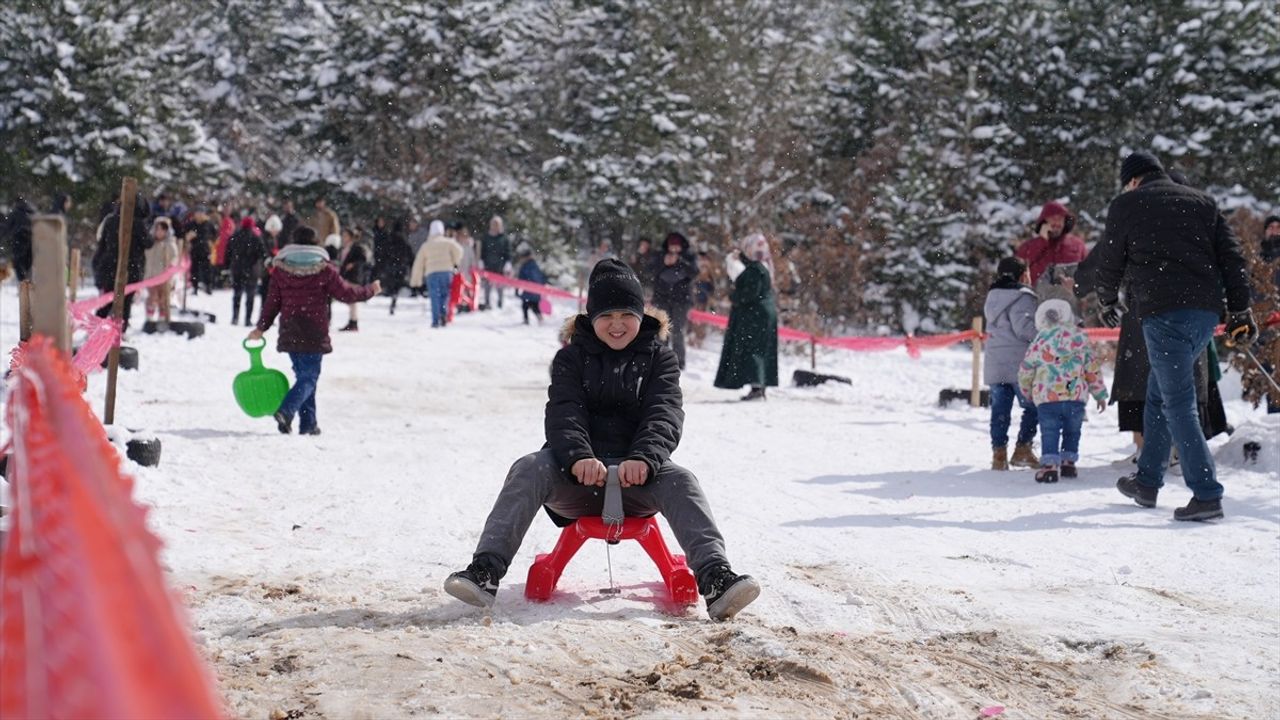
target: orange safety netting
88 626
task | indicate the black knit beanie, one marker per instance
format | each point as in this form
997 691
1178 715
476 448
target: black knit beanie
1011 267
614 286
1139 163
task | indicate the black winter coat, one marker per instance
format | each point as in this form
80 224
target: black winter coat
495 252
107 254
16 238
245 253
354 265
1175 246
288 224
673 285
617 404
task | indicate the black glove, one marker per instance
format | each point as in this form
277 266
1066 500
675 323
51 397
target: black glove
1112 312
1241 329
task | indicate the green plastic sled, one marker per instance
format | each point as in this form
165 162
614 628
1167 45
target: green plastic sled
259 390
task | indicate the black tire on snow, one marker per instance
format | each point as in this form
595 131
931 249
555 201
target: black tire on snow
145 452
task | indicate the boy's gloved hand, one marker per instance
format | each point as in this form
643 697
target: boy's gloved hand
1102 406
590 471
633 472
255 334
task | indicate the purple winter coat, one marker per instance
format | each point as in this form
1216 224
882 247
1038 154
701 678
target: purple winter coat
300 296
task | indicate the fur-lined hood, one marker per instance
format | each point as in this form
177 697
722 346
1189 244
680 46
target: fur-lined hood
654 320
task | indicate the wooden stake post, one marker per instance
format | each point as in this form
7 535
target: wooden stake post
24 310
975 395
128 192
73 277
48 302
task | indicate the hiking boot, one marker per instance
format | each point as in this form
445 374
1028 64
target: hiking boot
1199 509
1024 456
284 423
727 593
1000 458
757 393
1068 469
477 585
1141 494
1047 474
351 326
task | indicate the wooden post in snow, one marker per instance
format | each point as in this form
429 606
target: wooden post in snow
24 310
73 277
128 192
48 272
975 395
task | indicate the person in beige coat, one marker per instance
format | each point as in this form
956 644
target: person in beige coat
435 264
162 255
325 221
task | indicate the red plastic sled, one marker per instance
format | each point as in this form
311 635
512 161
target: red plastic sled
545 571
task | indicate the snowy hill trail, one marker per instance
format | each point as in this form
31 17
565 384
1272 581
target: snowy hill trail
901 578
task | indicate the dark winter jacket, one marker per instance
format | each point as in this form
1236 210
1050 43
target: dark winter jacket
1010 313
528 270
673 285
1175 246
16 238
392 258
300 293
750 352
288 223
355 264
495 252
616 404
106 256
205 234
245 253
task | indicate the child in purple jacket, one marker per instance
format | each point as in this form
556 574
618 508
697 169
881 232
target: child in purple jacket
302 284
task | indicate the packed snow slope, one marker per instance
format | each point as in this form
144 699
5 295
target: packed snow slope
902 579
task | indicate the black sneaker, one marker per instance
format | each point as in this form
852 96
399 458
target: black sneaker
1141 494
1199 509
477 585
1068 469
1047 474
284 423
727 593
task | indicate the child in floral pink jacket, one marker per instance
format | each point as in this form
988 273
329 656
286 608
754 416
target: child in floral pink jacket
1059 373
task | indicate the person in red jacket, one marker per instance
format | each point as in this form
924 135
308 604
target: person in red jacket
1053 243
301 288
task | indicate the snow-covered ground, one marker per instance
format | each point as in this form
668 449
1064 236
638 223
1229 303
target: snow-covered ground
902 578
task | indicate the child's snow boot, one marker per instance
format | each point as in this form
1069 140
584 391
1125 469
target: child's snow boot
1024 456
727 592
757 393
1000 458
284 423
1047 474
1068 469
477 585
351 326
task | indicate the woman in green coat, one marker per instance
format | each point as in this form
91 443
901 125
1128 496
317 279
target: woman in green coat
750 352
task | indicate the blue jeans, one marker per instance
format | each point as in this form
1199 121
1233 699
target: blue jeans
301 400
1174 340
438 290
1002 396
1060 422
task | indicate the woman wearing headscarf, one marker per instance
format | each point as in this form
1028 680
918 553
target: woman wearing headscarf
750 352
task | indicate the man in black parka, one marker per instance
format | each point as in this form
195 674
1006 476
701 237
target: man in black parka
106 257
1181 258
614 399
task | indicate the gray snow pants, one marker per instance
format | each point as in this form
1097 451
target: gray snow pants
536 480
